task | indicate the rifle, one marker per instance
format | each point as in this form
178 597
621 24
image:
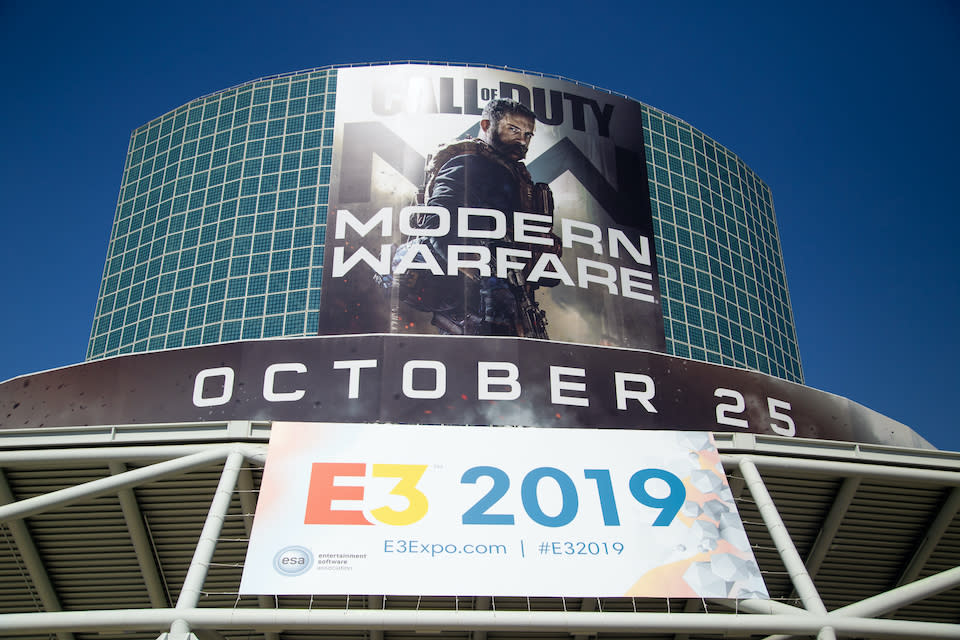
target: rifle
532 318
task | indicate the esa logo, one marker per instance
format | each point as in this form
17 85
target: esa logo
323 492
293 561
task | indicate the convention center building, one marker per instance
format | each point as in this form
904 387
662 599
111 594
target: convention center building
386 350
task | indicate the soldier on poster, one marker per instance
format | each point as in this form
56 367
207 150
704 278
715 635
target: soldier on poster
429 236
485 172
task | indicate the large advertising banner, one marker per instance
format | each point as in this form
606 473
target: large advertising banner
532 221
496 511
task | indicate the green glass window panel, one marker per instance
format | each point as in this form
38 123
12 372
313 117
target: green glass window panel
288 180
127 336
297 301
294 324
266 203
315 103
280 260
257 131
216 176
255 149
275 128
257 285
271 164
301 238
273 145
286 200
294 125
313 122
231 331
245 224
282 240
218 289
132 313
279 92
254 306
195 317
233 309
167 282
201 274
260 263
276 303
278 281
268 183
696 338
211 334
214 313
177 320
273 327
225 229
298 279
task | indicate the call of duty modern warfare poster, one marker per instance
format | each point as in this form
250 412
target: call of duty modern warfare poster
532 219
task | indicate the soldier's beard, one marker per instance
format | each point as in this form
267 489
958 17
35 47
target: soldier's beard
513 150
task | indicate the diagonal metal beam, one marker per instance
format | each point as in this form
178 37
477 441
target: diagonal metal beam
207 544
935 531
785 547
137 527
31 558
894 599
830 527
38 504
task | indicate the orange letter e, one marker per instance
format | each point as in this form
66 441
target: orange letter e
323 492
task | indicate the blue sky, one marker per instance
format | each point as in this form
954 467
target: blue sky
847 110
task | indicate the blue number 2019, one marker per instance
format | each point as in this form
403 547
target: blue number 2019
569 500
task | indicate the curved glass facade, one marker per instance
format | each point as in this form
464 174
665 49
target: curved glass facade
220 228
724 289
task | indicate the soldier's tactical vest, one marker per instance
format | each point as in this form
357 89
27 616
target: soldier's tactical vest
439 294
534 197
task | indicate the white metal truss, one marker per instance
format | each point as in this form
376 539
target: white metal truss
138 460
